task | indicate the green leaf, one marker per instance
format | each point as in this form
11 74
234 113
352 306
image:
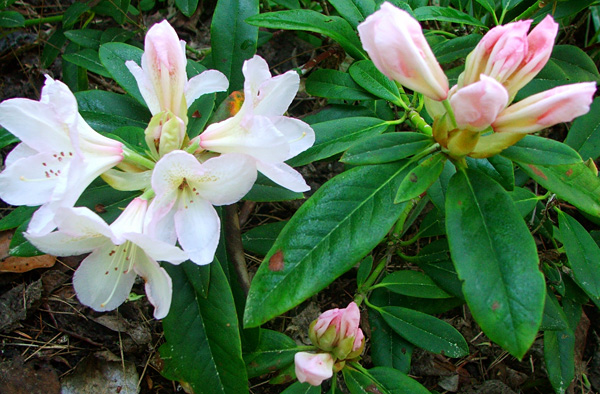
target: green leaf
289 4
524 200
489 5
260 239
420 178
335 84
73 13
554 318
10 19
52 47
575 183
456 48
425 331
413 284
203 346
354 11
329 227
233 39
88 59
359 383
20 246
437 192
302 388
584 135
199 276
187 7
87 38
113 56
364 269
115 34
274 351
336 136
559 357
388 349
117 9
583 254
107 202
569 63
373 81
7 138
540 150
17 217
445 14
397 382
495 254
496 167
386 148
308 20
265 190
107 111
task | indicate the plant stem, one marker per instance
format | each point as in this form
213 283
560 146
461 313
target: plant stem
47 19
235 249
419 123
450 112
527 13
134 157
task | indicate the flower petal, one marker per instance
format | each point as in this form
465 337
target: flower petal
225 179
59 243
283 175
198 229
209 81
145 86
256 71
158 285
156 249
103 280
299 135
313 368
477 105
276 94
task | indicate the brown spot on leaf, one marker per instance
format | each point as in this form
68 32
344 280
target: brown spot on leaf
276 261
413 177
99 208
569 172
537 171
372 388
459 202
495 305
196 114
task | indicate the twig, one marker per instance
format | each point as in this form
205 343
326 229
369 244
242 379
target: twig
235 249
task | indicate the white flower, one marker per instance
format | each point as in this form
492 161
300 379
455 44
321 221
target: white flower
260 130
186 191
119 252
60 154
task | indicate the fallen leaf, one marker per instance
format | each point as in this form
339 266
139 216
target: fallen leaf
20 264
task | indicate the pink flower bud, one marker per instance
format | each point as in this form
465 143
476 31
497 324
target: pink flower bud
507 54
313 368
476 105
338 330
545 109
397 46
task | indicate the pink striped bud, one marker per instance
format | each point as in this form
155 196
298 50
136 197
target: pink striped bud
477 105
397 46
338 331
313 368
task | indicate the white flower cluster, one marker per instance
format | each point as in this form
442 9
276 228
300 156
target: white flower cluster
180 180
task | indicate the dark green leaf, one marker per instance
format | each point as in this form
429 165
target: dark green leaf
364 269
569 63
20 246
495 254
397 382
489 5
354 11
360 383
113 56
203 346
6 138
554 318
373 81
308 20
444 274
445 14
260 239
302 388
187 7
199 276
73 13
583 254
17 217
336 136
275 351
420 178
559 357
88 59
116 9
413 284
496 167
87 38
107 202
265 190
388 349
456 48
115 34
524 200
540 150
107 111
329 227
52 47
584 135
10 19
232 39
386 148
335 84
437 191
289 4
575 183
425 331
